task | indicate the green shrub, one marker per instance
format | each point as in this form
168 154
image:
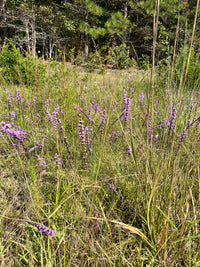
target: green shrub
119 57
80 59
193 73
95 61
18 69
9 58
32 70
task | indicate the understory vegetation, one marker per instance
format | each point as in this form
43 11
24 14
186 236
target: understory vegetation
98 169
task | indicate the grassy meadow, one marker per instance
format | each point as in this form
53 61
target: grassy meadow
99 169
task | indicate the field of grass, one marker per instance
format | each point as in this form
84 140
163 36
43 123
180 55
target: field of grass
99 170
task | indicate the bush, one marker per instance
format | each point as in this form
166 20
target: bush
95 61
18 69
193 74
119 57
9 58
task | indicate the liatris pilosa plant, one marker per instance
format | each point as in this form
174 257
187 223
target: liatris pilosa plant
44 229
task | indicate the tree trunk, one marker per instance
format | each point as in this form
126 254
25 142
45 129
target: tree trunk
3 10
86 37
33 33
50 47
27 36
125 11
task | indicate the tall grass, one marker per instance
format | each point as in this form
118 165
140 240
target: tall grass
81 156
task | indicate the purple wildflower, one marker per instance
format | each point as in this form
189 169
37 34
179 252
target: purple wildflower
37 145
149 129
29 120
113 189
38 117
87 138
170 107
155 106
13 115
89 109
162 123
12 132
129 150
172 121
103 120
127 109
34 100
46 103
124 97
155 137
42 162
44 229
57 108
10 99
197 124
112 134
141 98
18 95
53 119
183 134
28 104
58 160
117 135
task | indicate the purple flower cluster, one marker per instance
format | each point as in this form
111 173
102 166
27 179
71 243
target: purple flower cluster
37 145
29 120
183 134
87 116
53 119
155 105
18 96
127 109
12 132
42 162
129 149
141 99
113 189
162 123
197 123
44 229
38 117
13 115
113 135
10 99
34 101
28 104
155 137
87 137
126 102
58 160
172 120
103 120
46 103
82 136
